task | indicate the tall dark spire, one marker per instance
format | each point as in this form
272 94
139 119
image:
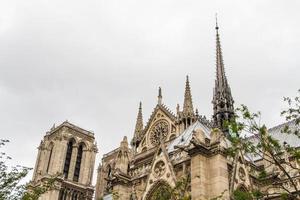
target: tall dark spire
138 127
222 98
188 109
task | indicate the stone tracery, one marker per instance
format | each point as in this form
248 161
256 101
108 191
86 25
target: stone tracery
159 132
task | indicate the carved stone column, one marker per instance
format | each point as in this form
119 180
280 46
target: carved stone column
91 164
83 166
85 170
59 162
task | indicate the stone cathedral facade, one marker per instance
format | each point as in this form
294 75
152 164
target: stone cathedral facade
168 147
171 146
182 144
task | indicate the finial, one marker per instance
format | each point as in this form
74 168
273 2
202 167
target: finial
140 107
53 127
217 27
159 96
197 112
177 108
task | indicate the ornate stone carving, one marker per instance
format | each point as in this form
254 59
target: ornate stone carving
159 132
242 174
159 169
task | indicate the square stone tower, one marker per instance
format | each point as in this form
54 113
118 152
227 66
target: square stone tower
68 153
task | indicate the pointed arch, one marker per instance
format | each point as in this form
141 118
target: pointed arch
159 188
79 156
70 145
242 188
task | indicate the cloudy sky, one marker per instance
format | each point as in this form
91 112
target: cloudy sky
91 62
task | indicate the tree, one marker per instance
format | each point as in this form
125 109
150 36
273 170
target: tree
11 177
248 135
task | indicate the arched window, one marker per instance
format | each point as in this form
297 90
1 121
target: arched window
159 189
50 156
68 158
78 163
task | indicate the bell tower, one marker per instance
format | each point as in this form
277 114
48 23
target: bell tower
68 153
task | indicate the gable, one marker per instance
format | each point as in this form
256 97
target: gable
161 171
161 121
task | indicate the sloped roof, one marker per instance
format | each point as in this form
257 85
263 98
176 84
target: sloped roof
276 133
291 139
185 137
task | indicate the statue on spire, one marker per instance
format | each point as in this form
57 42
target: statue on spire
222 98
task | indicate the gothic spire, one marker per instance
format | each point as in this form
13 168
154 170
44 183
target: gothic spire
139 122
221 80
186 117
188 103
222 98
138 128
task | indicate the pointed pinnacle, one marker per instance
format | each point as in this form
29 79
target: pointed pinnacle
139 122
222 92
220 71
217 27
188 103
159 96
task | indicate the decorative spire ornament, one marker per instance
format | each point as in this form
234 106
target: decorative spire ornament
138 127
159 97
186 117
188 109
222 98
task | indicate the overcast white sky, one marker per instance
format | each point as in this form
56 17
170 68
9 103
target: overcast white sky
91 62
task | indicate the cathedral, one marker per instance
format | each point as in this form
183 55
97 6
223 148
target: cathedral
161 153
168 147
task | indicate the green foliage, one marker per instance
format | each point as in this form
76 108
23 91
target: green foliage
242 195
248 135
162 193
11 177
33 193
262 175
